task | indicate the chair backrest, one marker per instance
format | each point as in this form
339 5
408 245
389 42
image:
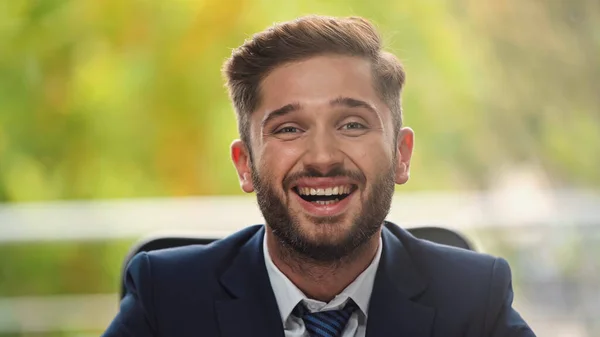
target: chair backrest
438 235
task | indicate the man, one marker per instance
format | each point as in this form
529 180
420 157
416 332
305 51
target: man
322 145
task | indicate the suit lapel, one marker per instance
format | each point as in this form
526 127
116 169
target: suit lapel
252 310
392 312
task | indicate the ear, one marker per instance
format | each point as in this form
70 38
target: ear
241 160
406 140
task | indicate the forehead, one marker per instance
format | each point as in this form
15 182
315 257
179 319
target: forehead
316 81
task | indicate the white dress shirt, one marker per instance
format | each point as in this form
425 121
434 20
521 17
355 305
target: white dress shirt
288 296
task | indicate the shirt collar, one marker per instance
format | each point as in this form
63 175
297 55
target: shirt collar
288 295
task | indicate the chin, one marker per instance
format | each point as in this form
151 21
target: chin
326 230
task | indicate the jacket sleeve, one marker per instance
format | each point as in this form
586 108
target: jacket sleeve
135 316
501 319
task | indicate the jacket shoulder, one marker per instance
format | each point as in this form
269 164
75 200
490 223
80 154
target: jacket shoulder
179 272
435 258
455 274
200 258
185 278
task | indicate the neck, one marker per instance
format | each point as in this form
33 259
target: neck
321 280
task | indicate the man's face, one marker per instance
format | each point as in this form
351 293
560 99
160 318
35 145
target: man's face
324 161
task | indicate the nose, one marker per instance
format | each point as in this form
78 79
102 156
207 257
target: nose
323 153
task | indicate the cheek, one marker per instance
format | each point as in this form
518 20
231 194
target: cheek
278 159
371 156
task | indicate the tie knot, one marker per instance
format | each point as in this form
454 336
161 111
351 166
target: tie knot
328 323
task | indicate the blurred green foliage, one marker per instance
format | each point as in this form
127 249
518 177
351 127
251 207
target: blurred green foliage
39 269
113 98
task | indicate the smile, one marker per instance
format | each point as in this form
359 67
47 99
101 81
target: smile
324 200
324 196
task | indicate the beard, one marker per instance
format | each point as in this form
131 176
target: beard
285 224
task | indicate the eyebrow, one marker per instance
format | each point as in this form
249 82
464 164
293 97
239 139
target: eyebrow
353 103
284 110
340 101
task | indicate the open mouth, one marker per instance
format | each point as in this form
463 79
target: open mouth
325 196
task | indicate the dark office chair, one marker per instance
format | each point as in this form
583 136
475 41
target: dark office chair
434 234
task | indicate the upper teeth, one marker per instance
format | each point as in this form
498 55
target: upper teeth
344 189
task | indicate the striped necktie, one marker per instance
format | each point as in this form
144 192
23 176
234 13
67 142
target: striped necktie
328 323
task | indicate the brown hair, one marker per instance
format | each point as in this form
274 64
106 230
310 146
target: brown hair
303 38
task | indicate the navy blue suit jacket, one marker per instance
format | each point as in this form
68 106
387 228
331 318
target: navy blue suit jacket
421 290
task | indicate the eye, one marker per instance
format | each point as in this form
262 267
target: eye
353 126
287 129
